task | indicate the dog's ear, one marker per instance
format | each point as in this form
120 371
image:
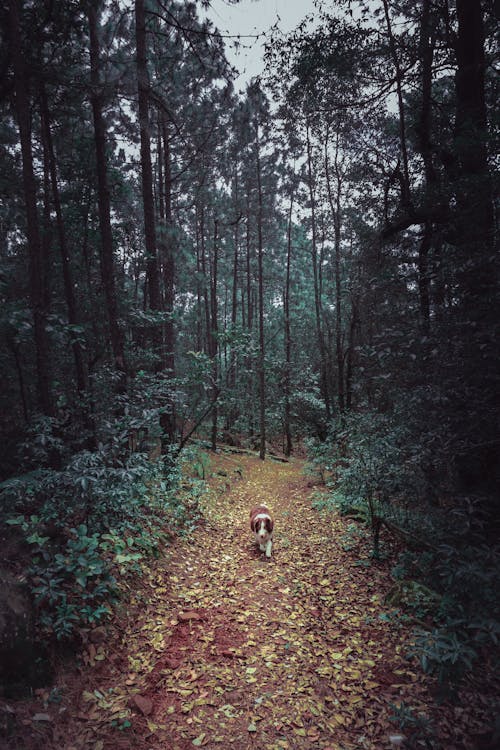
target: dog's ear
269 525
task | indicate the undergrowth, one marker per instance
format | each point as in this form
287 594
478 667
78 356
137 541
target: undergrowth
87 526
447 577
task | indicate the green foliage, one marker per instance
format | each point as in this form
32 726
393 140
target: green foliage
447 654
448 579
308 410
468 616
201 464
376 464
416 728
320 459
418 599
71 582
132 507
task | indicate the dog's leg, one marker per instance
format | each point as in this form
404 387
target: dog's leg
269 547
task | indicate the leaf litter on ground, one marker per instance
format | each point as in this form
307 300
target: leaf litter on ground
220 647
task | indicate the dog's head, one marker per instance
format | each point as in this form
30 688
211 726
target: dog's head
262 526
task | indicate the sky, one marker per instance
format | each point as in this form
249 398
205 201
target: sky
254 17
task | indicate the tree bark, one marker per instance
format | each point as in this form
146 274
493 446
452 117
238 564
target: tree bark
423 130
335 207
288 336
406 199
249 363
260 256
233 357
317 293
37 264
168 260
103 198
474 191
206 295
213 333
168 420
477 259
63 245
152 270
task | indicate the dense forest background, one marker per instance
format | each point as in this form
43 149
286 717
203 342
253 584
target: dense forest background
311 264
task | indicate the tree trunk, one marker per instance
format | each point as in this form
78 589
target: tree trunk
474 192
249 267
249 364
288 337
423 130
260 254
233 358
63 245
103 199
350 354
336 213
206 295
199 296
168 268
37 265
424 277
213 342
14 348
477 261
168 262
405 196
317 293
152 271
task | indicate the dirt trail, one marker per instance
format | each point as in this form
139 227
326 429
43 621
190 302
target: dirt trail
223 648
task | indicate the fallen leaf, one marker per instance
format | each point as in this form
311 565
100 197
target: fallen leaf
189 615
145 705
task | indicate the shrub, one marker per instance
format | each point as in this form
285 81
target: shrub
383 470
88 524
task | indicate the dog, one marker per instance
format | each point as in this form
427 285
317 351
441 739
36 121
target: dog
262 525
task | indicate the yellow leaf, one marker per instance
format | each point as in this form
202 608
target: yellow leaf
354 673
324 671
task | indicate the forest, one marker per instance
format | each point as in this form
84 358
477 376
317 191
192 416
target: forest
304 273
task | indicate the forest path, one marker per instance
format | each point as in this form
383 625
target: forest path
232 650
224 648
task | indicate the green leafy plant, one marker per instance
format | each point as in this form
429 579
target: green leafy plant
201 464
417 729
95 521
447 654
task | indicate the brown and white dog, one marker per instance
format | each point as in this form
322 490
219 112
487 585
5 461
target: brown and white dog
262 525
